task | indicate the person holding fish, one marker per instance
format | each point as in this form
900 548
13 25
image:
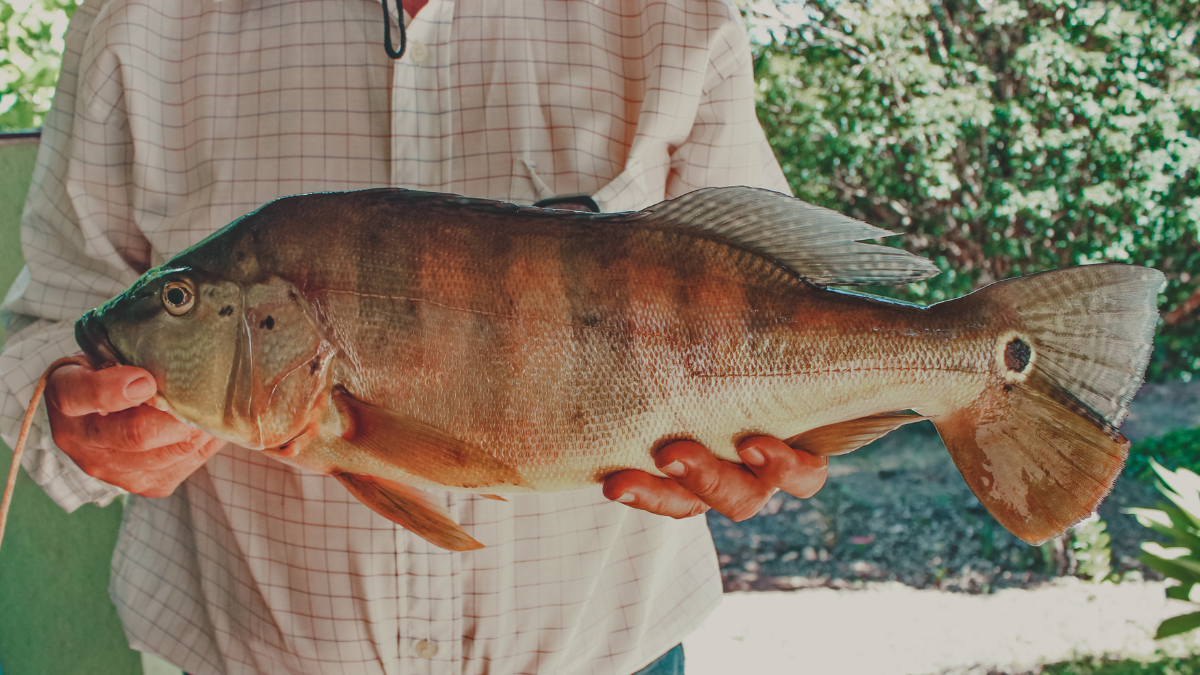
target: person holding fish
174 118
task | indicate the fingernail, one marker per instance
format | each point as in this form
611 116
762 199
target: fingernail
676 469
141 388
626 498
753 457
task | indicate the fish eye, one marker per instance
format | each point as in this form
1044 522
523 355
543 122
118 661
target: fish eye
178 297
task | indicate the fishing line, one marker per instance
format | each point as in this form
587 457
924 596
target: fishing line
25 426
387 31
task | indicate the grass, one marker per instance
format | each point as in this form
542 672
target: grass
1167 665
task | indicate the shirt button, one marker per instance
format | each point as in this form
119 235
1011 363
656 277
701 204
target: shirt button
418 52
425 649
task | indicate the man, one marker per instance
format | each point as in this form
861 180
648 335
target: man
173 118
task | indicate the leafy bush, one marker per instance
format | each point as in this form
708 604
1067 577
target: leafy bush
1002 137
31 45
1179 448
1180 521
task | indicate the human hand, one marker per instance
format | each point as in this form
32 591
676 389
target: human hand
98 418
700 481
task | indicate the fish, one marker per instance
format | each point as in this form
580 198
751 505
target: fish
401 341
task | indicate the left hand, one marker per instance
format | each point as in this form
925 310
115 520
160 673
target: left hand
699 480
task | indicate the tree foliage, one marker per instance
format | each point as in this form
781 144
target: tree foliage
1001 137
31 45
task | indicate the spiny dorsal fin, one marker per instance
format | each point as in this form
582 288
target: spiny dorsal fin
818 244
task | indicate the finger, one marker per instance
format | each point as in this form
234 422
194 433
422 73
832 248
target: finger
643 491
793 471
156 459
139 429
165 482
729 488
76 391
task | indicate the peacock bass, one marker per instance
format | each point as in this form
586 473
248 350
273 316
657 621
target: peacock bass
401 340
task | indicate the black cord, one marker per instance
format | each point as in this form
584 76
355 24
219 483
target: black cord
387 31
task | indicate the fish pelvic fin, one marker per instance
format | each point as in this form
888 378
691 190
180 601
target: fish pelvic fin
1039 446
410 508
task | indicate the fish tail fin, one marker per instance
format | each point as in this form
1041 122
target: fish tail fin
1039 446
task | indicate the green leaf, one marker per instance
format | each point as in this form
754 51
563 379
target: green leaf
1178 624
1181 592
1170 568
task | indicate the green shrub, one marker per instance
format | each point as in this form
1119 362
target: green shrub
1180 521
1001 137
1179 448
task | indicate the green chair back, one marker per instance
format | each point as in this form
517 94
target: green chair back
55 614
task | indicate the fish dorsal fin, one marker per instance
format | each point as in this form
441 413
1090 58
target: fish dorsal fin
838 439
410 508
419 448
818 244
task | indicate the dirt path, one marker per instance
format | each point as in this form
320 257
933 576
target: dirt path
893 629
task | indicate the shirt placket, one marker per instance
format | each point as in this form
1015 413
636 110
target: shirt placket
429 612
421 102
430 616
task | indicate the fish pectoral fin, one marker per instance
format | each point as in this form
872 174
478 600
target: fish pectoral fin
410 508
419 448
844 437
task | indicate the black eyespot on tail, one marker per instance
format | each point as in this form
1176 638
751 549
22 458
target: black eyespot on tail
267 323
1016 355
226 310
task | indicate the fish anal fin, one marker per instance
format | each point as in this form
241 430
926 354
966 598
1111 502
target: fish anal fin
1035 463
420 448
410 508
844 437
497 498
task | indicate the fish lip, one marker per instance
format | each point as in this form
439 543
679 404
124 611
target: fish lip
92 338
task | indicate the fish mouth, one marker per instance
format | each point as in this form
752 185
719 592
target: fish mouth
93 340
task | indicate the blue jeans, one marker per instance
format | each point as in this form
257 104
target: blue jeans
670 663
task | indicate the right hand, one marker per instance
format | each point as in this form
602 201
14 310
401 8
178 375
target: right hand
99 419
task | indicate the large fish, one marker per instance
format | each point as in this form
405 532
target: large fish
399 340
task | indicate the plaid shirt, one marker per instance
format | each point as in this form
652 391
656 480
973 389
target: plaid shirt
173 118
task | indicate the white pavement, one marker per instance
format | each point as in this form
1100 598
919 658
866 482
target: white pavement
892 629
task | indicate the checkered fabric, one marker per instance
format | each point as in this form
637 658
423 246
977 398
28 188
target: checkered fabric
173 117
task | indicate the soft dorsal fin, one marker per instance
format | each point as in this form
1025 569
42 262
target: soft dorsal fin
818 244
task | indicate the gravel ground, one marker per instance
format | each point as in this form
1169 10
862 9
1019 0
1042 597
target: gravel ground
891 629
898 510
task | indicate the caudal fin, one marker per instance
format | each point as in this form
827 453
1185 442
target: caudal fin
1040 447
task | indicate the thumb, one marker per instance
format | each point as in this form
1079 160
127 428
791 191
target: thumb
78 391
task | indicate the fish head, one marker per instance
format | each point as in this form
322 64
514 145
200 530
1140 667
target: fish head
243 359
184 327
